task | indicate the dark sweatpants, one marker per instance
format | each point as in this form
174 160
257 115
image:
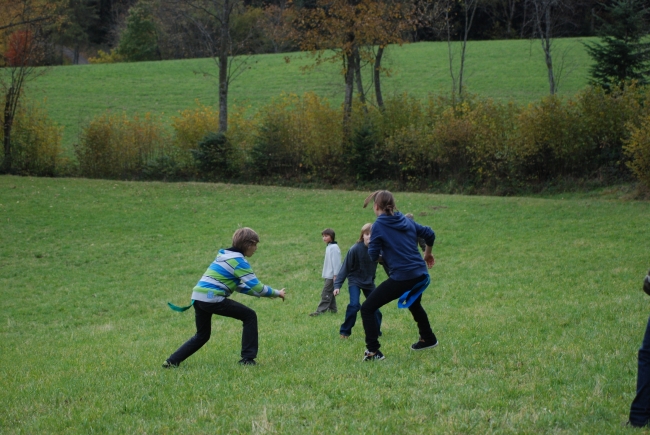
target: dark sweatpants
388 291
203 314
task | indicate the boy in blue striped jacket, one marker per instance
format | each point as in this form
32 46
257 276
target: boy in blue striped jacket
229 272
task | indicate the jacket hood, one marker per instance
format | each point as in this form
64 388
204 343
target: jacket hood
397 221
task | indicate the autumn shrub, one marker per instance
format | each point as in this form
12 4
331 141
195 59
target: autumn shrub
116 146
192 125
550 140
298 137
35 141
492 154
112 56
637 149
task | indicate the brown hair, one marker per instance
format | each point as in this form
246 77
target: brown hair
384 200
244 238
329 232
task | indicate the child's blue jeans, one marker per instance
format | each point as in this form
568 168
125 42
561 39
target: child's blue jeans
353 308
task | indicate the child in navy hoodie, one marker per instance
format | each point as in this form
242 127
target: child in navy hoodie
394 237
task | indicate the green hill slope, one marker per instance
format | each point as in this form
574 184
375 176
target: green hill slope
505 70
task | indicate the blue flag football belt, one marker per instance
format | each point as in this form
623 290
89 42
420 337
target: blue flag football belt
407 299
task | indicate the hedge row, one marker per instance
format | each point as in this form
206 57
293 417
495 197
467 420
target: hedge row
476 143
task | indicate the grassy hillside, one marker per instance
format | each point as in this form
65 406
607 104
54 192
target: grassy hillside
505 70
536 303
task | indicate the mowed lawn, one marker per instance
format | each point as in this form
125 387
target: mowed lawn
503 70
537 304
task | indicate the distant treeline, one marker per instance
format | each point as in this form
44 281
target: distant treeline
100 24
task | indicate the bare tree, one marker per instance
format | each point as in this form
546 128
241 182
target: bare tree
504 11
549 18
442 18
213 19
19 63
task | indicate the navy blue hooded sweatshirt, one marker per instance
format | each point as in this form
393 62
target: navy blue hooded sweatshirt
395 238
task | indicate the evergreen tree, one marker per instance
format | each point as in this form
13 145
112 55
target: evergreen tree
622 55
139 41
78 17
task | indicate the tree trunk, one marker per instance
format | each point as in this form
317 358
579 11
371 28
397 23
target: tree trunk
223 93
349 92
357 76
223 68
469 4
546 45
6 127
377 75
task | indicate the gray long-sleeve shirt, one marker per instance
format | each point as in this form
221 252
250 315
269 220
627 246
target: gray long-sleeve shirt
358 268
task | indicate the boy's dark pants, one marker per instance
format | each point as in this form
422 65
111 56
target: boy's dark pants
327 298
640 409
203 314
388 291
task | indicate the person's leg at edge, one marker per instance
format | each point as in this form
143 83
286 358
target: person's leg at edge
378 315
351 312
249 337
640 409
422 320
203 321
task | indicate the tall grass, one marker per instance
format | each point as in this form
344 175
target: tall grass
536 303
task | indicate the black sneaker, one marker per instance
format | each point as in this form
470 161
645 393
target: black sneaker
168 365
373 356
247 362
421 345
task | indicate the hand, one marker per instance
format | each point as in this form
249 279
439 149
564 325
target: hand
282 295
428 258
337 291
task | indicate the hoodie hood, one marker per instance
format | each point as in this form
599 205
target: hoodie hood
397 221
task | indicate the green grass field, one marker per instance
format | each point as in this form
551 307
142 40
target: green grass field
504 70
536 302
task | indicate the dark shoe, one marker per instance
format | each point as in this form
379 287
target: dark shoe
373 356
315 313
631 424
168 365
332 311
421 345
247 362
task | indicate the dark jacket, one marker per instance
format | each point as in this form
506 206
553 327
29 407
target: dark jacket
395 239
358 268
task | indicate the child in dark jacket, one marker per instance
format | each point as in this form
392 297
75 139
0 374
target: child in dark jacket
360 273
394 237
